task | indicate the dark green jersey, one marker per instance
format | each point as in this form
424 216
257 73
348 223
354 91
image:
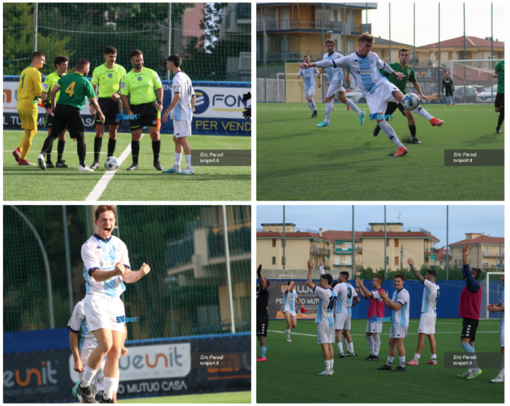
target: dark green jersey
75 89
49 83
408 72
108 79
500 69
140 86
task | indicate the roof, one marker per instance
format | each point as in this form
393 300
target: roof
277 224
341 235
398 234
289 235
383 41
483 239
470 42
370 6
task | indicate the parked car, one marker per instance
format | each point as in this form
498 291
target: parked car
489 95
479 88
462 94
355 95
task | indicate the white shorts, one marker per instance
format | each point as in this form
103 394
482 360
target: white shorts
374 327
427 323
398 332
335 88
309 92
182 128
292 313
325 334
104 312
378 100
343 321
502 335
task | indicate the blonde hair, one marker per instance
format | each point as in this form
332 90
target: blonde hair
366 36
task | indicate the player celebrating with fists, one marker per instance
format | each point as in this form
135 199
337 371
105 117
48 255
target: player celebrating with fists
106 268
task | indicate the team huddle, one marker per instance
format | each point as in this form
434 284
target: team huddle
139 93
382 85
334 314
100 315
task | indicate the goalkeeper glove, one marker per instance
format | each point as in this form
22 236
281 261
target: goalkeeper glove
258 270
246 97
247 113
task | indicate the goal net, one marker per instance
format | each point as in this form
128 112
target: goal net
492 292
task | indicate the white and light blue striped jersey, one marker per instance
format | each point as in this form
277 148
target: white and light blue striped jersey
430 297
326 307
345 293
400 318
78 321
101 254
289 300
334 74
182 84
365 70
308 76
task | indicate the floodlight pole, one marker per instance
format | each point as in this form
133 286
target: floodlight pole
414 35
465 58
36 18
68 259
169 35
353 247
384 241
447 245
227 263
283 259
439 51
389 62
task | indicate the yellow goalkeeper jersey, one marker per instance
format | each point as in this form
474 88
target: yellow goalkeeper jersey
29 89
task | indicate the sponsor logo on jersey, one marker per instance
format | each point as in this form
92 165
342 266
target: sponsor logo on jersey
123 85
110 75
139 78
45 87
154 122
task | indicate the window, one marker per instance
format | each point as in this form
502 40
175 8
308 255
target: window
469 261
387 242
455 263
335 15
274 260
350 47
396 260
486 251
387 260
274 242
396 242
440 262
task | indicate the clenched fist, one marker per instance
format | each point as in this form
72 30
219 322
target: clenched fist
145 269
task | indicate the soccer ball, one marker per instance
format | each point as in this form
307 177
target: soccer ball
111 163
410 101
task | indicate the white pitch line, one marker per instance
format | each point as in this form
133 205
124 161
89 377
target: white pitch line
384 334
107 177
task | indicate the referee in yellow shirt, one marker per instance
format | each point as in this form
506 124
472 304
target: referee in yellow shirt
29 91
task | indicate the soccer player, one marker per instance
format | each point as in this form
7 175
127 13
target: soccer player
347 298
106 268
499 104
262 316
106 79
377 90
309 86
140 84
61 63
76 89
289 308
428 313
181 108
399 305
335 86
469 309
408 74
82 349
448 88
375 315
29 91
494 308
325 318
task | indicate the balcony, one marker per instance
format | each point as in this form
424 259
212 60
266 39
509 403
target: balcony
320 251
338 27
343 251
359 250
488 255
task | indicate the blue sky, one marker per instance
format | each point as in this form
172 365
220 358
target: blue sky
462 219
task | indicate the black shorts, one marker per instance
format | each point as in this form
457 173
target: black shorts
147 116
48 121
500 100
392 106
262 323
448 92
68 117
469 327
110 108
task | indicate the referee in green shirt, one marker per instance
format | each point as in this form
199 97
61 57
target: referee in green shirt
142 107
106 79
61 63
75 89
408 75
499 72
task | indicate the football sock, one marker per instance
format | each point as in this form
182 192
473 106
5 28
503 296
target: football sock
350 347
329 109
412 128
27 142
377 346
287 333
402 361
188 160
60 149
177 160
353 106
340 347
98 142
263 351
311 104
346 345
433 356
82 150
109 384
48 155
156 148
417 356
470 350
370 341
88 374
453 100
424 113
331 363
390 133
326 363
135 150
501 117
390 361
111 146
